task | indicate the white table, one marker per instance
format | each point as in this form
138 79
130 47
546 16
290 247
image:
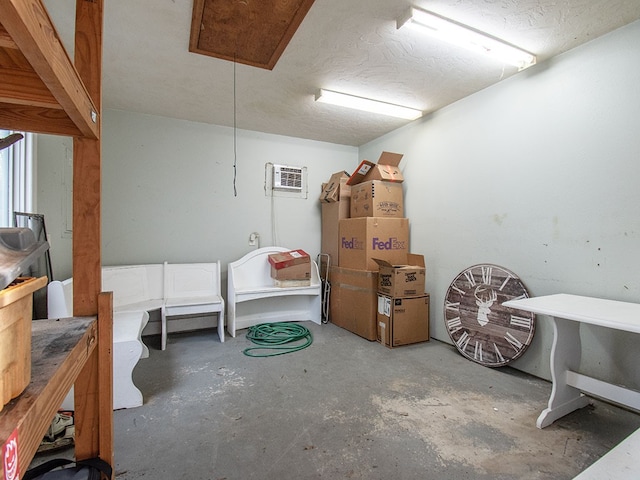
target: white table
568 312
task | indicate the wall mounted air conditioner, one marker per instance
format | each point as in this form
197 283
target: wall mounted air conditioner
287 178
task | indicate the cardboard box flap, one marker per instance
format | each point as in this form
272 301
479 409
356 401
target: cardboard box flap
335 188
390 158
360 172
386 169
382 263
413 260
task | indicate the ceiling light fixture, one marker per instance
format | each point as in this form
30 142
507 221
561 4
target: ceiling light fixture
467 37
367 104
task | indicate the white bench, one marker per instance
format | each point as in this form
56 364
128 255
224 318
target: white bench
192 289
253 297
620 463
173 288
568 312
128 347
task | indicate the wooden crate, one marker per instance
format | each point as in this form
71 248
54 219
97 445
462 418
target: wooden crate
16 306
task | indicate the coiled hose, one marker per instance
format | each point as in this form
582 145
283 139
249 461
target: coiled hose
275 339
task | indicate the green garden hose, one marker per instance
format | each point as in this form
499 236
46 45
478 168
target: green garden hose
274 339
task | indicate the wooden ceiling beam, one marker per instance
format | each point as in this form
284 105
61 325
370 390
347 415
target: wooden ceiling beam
28 25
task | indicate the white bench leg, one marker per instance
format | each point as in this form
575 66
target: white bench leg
163 329
125 358
221 324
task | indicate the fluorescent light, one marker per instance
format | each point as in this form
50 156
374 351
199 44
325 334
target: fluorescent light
467 37
366 104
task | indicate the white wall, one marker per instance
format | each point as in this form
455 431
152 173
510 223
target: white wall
167 191
539 174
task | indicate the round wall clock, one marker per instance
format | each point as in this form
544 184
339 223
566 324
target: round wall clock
480 327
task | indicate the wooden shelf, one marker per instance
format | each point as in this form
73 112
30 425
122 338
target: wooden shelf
43 91
59 351
40 88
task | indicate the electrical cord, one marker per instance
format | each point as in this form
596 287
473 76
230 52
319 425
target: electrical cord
274 339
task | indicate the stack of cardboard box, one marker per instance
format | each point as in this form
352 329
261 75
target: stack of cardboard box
362 220
403 307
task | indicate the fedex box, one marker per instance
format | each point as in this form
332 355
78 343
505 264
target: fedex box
365 238
402 321
377 198
403 280
386 169
353 301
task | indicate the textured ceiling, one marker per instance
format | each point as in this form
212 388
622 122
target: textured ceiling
351 46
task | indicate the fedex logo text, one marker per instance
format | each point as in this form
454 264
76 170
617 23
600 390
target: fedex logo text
390 244
352 244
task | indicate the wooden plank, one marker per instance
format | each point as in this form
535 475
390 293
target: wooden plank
59 348
105 375
37 120
94 430
30 27
5 39
25 88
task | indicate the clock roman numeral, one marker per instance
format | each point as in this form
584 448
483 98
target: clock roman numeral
500 357
477 354
506 280
470 278
486 275
463 341
524 322
452 305
454 324
513 341
457 289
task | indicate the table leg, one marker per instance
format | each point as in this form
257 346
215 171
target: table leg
565 356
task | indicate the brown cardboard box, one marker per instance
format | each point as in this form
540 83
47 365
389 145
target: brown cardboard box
377 198
403 280
353 302
365 238
336 188
402 321
301 271
288 259
292 265
332 213
386 169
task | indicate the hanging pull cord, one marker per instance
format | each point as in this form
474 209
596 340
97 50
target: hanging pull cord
275 339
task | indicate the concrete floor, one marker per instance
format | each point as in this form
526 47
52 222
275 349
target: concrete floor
346 408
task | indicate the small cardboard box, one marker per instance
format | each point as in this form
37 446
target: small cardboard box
301 271
292 265
404 280
336 188
386 169
377 198
353 301
402 321
365 238
288 259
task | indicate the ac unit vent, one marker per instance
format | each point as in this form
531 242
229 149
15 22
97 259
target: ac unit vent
287 178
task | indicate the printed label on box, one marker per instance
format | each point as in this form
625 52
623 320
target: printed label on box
384 306
10 457
364 169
